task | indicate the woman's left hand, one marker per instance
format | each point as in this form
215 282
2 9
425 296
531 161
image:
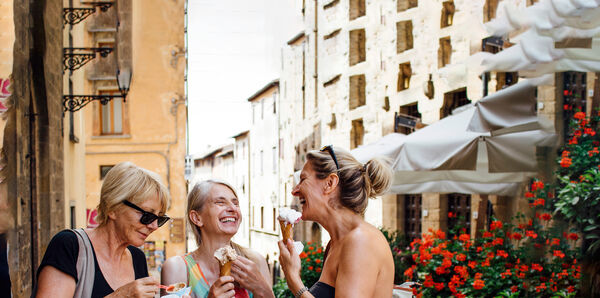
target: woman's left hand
248 275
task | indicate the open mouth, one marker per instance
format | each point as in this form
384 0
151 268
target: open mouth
228 219
302 201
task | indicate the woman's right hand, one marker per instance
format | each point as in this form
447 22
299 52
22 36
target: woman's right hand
222 288
146 287
290 264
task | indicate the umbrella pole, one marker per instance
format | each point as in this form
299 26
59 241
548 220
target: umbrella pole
481 216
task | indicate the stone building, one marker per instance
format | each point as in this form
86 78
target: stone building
264 175
32 138
148 126
362 69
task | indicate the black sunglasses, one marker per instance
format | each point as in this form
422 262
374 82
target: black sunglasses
148 217
329 149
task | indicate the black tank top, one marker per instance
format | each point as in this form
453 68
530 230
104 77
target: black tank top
322 290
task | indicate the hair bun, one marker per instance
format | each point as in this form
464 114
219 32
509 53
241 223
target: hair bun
379 176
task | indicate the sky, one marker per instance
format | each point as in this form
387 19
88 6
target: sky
234 49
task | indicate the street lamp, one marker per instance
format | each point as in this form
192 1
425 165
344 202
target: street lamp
73 103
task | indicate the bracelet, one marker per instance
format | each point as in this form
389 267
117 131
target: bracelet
300 292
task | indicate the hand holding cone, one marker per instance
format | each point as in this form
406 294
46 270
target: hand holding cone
225 255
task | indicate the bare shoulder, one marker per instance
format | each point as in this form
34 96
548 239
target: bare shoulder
255 257
365 236
174 270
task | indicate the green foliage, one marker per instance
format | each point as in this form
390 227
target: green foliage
578 188
531 259
311 259
401 251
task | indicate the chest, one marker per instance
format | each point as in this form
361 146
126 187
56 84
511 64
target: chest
116 273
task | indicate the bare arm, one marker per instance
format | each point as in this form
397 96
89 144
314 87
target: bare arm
55 283
358 267
173 271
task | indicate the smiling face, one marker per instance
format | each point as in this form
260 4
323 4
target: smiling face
128 225
311 193
221 213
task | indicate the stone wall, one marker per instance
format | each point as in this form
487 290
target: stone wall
33 138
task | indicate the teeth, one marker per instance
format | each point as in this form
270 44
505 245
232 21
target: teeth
228 219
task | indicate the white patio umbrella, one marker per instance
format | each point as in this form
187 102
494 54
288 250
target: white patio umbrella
487 148
546 25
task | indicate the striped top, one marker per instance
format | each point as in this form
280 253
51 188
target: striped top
196 279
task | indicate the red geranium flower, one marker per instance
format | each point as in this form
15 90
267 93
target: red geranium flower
303 255
546 216
558 253
478 284
573 236
579 115
495 225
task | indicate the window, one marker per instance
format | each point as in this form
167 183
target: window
404 73
104 170
262 109
404 37
574 97
274 159
460 207
358 51
357 91
453 100
274 219
111 115
406 4
72 215
274 103
262 217
262 162
505 79
357 9
357 133
489 10
444 52
447 14
410 114
412 215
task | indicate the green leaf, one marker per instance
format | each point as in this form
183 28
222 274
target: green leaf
590 228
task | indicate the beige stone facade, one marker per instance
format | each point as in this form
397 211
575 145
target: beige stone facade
359 63
149 127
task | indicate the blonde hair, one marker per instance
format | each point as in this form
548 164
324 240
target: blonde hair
357 181
196 200
126 181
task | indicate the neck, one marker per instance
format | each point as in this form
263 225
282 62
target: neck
108 243
210 243
340 222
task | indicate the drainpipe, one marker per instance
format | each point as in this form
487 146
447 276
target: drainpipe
316 75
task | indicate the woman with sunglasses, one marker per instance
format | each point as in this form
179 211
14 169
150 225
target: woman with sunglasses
214 216
334 189
132 205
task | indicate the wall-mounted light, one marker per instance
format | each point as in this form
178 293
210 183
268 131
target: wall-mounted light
73 103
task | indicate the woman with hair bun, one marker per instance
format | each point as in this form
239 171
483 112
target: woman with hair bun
334 189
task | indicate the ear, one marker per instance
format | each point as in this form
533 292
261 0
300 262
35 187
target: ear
195 218
331 183
112 215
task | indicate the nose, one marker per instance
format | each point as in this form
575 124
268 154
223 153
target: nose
153 225
296 190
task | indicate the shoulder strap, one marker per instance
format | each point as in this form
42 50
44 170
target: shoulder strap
85 265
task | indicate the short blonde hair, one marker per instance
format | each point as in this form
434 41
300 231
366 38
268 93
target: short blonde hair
126 181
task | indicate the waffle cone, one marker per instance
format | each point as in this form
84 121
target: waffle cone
225 269
287 231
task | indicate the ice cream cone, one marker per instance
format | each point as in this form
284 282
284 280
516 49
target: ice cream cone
287 230
225 269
